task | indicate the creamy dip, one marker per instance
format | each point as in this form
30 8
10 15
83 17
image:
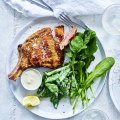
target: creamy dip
31 79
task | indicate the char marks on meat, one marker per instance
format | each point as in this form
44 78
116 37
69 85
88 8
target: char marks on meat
40 50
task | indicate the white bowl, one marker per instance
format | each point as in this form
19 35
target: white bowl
27 88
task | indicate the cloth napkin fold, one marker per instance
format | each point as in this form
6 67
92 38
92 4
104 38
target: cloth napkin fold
72 7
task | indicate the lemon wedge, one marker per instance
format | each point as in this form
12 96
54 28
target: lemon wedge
30 100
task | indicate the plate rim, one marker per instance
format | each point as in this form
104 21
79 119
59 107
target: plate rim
48 117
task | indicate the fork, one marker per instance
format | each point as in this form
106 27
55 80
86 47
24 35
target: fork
69 20
66 19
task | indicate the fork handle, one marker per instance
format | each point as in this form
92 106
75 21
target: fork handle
79 22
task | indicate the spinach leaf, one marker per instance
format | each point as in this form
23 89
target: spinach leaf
77 45
88 35
80 34
90 50
88 61
69 54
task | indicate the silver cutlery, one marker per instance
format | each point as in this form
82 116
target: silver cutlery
63 16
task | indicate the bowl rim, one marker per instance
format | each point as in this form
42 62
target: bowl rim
103 15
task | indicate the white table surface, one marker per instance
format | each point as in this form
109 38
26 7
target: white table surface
10 23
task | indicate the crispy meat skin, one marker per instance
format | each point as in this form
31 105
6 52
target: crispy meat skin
38 50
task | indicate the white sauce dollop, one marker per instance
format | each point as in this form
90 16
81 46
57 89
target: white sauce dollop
31 79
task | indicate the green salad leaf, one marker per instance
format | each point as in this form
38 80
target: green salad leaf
65 86
79 34
69 54
77 45
44 93
72 80
88 61
54 99
52 78
53 88
101 69
90 50
88 35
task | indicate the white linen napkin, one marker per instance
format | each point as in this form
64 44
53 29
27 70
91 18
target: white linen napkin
72 7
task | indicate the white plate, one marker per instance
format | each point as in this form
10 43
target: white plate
46 109
114 83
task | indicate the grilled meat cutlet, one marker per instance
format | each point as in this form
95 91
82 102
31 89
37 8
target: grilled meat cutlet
40 50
